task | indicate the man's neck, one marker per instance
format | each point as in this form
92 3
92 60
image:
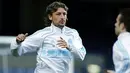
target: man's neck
61 27
58 26
123 31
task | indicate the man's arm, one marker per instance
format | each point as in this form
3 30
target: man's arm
23 44
77 47
15 43
120 56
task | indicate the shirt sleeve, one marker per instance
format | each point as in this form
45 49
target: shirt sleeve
77 47
30 44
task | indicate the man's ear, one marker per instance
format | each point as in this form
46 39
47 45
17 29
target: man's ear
122 25
50 17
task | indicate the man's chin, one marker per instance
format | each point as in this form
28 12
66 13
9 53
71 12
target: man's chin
61 25
117 34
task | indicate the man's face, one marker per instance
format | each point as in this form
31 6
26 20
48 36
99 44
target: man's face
118 25
59 17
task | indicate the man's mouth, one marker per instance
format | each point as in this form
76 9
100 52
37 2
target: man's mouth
62 21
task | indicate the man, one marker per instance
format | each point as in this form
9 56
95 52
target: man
121 48
55 44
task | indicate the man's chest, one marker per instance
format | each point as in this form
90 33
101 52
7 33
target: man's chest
53 39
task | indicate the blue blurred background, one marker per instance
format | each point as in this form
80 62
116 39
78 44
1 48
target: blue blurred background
94 19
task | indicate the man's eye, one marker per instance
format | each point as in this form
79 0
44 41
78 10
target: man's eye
64 14
58 14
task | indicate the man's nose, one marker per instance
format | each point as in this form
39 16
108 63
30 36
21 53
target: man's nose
62 16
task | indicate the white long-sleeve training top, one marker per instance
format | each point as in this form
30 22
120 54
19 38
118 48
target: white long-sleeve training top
121 53
50 57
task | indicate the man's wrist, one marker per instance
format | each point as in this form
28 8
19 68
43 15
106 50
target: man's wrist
69 48
18 42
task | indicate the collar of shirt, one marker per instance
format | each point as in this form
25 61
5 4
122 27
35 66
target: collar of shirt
57 29
123 34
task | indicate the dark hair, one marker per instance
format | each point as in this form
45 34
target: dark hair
53 8
125 18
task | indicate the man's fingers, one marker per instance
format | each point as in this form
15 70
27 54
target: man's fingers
60 41
61 38
17 38
21 37
26 34
62 45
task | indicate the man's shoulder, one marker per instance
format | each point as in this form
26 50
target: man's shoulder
46 29
124 39
115 43
43 31
68 29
